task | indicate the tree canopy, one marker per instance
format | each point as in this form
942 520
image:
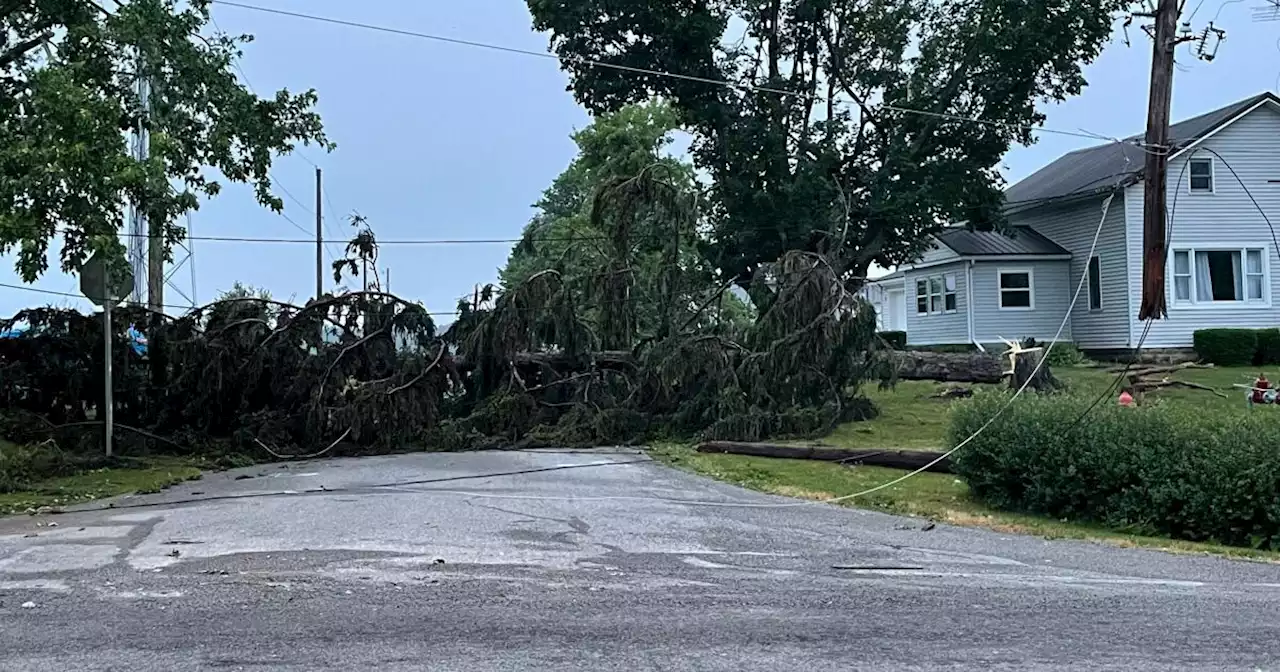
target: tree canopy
847 124
660 255
69 73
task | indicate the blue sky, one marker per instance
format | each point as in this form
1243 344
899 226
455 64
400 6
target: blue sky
444 141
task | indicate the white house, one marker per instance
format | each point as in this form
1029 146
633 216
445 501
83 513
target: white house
1224 198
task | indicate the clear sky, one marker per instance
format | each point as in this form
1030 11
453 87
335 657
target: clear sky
446 141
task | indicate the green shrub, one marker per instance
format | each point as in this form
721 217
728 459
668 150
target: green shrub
1062 354
1226 347
896 339
1268 347
1152 469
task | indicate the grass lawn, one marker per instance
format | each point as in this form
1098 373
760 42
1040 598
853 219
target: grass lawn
153 475
911 418
940 497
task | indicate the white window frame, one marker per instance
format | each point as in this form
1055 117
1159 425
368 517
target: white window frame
1088 274
1243 250
940 295
1031 288
1213 175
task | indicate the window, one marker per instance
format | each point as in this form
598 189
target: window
1219 276
1182 276
1015 290
936 294
1201 175
1095 284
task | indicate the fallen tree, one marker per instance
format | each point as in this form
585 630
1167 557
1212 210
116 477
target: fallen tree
896 459
948 367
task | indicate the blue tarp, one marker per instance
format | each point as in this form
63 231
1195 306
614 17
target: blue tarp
136 339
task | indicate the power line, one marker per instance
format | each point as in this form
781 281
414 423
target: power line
625 68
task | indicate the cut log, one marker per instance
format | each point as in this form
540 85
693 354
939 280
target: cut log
948 367
896 459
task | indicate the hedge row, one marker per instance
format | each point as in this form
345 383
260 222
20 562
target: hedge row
1237 347
1151 470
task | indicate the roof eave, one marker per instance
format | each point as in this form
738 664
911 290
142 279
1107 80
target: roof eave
1027 206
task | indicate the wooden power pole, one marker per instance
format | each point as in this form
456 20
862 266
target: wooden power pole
319 237
1155 172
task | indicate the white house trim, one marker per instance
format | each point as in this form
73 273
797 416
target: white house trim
1232 120
1031 287
968 303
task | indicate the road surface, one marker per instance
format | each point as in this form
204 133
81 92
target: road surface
572 560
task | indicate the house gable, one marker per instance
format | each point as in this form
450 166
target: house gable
1098 169
1243 157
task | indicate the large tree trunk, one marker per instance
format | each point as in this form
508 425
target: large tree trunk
896 459
964 367
1024 368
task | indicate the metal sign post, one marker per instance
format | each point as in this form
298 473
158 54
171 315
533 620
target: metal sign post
106 286
108 397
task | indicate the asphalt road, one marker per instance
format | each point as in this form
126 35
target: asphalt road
308 566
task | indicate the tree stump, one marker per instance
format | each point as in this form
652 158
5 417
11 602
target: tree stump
1024 369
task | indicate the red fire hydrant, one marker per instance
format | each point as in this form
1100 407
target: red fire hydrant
1259 385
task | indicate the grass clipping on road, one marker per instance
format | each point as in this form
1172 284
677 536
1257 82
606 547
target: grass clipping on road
940 497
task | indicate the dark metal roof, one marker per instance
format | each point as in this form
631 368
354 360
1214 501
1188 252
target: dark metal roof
1020 241
1097 168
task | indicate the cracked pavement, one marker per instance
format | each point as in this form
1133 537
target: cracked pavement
306 566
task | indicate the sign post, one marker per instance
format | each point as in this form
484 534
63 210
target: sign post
106 287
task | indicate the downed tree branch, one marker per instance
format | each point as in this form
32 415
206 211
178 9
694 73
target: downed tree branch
606 359
1150 385
895 459
1151 370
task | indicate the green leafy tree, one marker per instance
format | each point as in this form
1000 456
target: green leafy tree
826 159
69 73
361 255
658 258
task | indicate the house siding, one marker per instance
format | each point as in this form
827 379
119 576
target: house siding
941 329
1072 226
1051 295
1226 218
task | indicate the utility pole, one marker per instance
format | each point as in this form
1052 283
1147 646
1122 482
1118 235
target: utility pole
319 237
154 226
1155 173
139 234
